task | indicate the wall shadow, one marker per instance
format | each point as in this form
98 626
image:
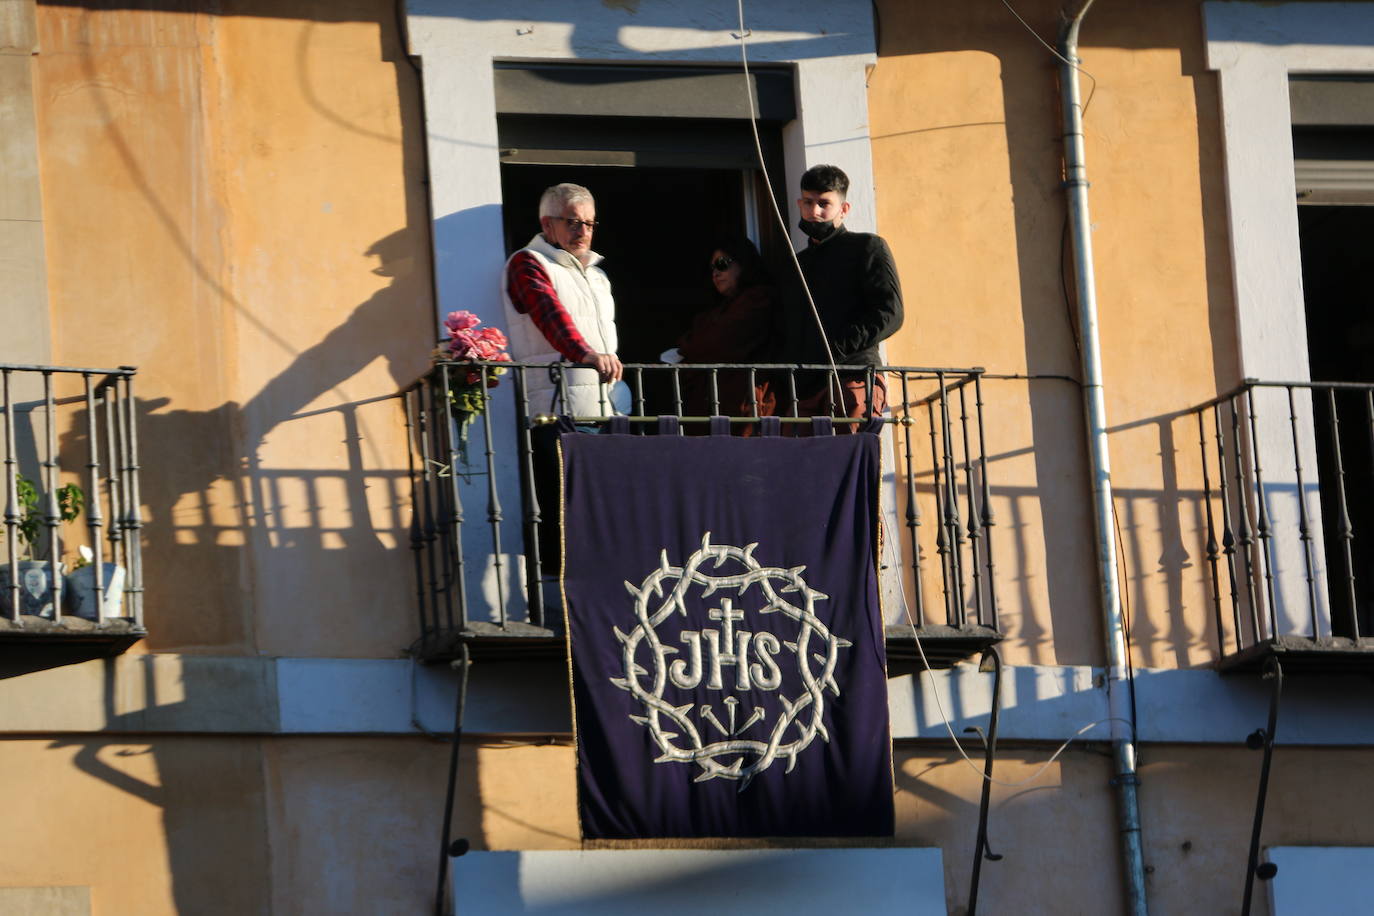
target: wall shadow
1033 132
201 562
239 805
245 557
211 458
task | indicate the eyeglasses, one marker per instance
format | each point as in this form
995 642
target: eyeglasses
575 224
721 265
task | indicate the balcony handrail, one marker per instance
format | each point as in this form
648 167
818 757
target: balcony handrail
1309 383
959 377
110 374
932 371
1249 383
943 493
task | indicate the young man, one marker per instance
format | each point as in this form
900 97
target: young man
559 307
854 285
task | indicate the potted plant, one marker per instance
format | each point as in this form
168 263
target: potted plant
33 574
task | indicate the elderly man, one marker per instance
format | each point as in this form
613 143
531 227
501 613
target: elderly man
559 307
854 284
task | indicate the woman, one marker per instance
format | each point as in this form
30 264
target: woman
737 329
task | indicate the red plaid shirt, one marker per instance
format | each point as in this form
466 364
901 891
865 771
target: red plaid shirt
532 293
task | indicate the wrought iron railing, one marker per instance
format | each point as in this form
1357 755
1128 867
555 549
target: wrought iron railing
484 525
72 560
1288 494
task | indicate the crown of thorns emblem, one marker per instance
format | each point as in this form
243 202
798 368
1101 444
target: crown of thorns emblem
753 656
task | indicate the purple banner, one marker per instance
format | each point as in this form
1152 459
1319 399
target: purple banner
728 666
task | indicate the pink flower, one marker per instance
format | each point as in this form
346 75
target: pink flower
494 336
461 321
461 341
466 341
485 349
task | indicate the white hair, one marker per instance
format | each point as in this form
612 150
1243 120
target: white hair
554 200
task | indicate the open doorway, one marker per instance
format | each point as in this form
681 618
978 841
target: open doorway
672 156
1338 292
656 227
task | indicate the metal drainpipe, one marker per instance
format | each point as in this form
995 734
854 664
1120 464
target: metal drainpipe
1118 686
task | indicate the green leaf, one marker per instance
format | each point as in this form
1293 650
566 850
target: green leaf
71 499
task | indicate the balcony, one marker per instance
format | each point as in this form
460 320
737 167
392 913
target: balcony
483 526
71 573
1288 485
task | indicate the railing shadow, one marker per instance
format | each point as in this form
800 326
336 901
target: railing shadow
270 504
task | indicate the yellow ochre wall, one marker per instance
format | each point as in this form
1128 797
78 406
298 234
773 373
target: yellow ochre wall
233 825
348 825
1056 830
233 204
967 154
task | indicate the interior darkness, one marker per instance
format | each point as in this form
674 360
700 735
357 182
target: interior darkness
1338 288
655 229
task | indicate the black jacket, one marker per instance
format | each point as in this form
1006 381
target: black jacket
854 284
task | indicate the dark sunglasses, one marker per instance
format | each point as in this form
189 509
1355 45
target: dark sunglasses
721 265
572 224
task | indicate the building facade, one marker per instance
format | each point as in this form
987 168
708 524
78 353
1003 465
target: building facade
267 207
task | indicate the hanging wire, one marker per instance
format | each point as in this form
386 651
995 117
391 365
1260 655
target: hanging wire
890 544
742 36
1123 582
1061 57
944 718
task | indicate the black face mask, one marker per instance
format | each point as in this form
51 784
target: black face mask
818 231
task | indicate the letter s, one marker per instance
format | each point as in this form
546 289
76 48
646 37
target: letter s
764 673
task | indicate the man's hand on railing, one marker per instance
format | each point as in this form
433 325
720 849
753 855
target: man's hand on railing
606 364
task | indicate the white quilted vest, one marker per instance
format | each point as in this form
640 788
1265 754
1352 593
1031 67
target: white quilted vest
585 292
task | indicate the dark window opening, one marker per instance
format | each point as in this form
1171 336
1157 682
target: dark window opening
658 222
1338 290
655 231
669 154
